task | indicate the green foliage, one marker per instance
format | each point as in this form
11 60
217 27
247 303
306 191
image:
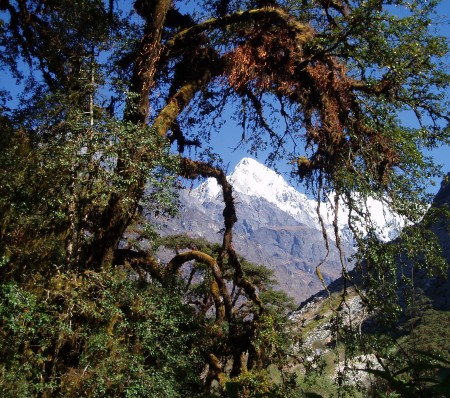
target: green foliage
75 174
53 191
408 358
422 366
425 375
96 333
428 332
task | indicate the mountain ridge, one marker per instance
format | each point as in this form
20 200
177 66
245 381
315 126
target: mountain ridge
250 178
277 226
269 230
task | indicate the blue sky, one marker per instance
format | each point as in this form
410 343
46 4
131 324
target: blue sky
442 155
228 137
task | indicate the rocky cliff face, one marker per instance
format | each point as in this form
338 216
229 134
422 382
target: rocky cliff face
438 288
277 226
442 227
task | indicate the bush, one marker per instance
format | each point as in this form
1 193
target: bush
96 334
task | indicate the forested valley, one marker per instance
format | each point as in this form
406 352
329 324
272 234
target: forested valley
109 109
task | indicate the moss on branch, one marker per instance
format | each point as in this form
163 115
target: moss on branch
276 16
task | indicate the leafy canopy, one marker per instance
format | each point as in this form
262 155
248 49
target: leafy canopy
117 103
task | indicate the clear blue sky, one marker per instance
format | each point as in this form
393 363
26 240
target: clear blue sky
228 137
442 154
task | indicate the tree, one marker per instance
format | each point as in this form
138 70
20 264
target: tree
108 90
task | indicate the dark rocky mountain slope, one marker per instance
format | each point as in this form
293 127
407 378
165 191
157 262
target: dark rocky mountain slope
435 288
277 227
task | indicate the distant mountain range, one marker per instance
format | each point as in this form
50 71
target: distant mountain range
277 226
435 288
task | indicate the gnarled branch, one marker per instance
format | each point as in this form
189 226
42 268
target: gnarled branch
141 262
193 169
223 308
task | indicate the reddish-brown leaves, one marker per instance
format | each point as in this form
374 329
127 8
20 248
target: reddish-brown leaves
268 60
275 60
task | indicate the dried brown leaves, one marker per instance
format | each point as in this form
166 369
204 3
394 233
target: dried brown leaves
268 60
276 60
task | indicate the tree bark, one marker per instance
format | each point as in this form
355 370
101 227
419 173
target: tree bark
121 208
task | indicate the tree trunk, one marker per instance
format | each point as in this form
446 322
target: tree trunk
121 208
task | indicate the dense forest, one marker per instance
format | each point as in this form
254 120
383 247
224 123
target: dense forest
107 109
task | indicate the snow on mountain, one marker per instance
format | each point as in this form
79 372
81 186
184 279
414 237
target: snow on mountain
251 179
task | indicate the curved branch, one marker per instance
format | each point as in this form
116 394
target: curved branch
192 169
140 262
275 15
224 305
175 105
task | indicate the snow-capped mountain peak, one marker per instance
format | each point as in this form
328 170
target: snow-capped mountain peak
251 179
